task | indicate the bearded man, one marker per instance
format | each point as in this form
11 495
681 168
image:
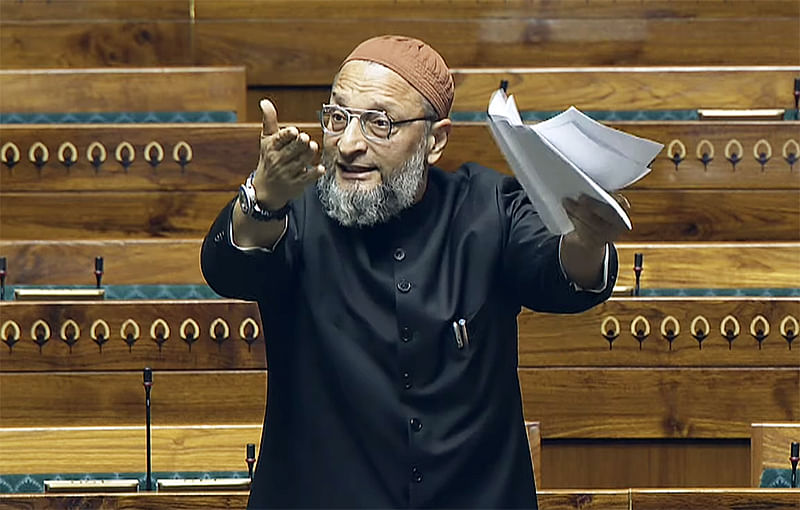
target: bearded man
389 293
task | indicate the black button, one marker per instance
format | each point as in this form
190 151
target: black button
407 385
404 286
416 475
399 254
406 375
406 334
416 425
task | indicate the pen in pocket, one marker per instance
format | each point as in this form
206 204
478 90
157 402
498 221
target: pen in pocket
457 333
462 325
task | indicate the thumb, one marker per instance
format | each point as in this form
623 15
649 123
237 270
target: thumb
269 118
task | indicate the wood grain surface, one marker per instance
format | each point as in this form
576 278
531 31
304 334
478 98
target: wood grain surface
770 447
223 154
587 499
210 350
623 402
179 397
694 265
545 340
629 88
657 215
277 50
184 89
109 449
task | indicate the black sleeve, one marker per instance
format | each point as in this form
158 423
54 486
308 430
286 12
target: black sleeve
253 275
531 265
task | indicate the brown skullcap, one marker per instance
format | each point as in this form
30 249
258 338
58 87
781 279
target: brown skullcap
419 64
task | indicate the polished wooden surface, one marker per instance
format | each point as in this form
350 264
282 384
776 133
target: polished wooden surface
277 50
223 154
612 402
99 399
658 215
184 89
615 463
120 449
545 340
219 330
770 447
587 499
629 88
741 265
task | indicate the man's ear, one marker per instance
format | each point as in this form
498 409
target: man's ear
440 131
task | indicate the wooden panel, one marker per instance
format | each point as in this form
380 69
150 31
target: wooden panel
92 10
68 399
283 52
658 215
684 499
545 340
223 154
78 44
658 402
176 261
709 265
126 262
294 104
606 463
174 354
594 499
110 215
630 88
570 403
553 340
487 9
105 449
714 499
124 90
770 445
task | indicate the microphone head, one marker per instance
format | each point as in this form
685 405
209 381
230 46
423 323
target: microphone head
2 263
251 450
148 375
98 263
795 449
638 259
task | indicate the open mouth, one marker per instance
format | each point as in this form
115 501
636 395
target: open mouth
356 172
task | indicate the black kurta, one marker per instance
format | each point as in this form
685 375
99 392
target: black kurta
371 403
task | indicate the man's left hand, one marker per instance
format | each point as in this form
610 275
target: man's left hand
596 224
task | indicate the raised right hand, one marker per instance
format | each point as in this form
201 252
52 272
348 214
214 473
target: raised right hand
285 162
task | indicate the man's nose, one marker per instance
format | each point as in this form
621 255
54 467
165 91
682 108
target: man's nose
352 139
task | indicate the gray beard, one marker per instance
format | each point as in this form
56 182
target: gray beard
357 207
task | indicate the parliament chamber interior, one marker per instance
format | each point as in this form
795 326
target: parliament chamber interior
126 125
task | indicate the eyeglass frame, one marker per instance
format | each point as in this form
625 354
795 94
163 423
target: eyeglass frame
361 122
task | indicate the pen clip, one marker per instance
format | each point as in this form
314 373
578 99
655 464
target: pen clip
457 333
462 324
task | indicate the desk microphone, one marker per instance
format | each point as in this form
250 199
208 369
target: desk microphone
796 98
98 270
2 278
148 385
638 261
793 458
250 459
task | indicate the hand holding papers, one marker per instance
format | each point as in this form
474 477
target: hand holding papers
566 156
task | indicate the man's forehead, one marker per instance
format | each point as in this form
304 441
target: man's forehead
371 83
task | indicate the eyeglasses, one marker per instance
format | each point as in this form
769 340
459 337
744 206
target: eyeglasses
375 124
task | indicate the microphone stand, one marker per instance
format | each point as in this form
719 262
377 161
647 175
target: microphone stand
148 385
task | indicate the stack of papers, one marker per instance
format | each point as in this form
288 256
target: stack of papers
567 156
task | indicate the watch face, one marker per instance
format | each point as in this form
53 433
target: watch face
244 200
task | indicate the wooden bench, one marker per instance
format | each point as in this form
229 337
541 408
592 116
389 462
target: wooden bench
770 447
681 404
744 265
295 63
549 499
124 90
178 177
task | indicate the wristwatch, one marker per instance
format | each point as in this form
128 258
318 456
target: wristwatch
249 203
